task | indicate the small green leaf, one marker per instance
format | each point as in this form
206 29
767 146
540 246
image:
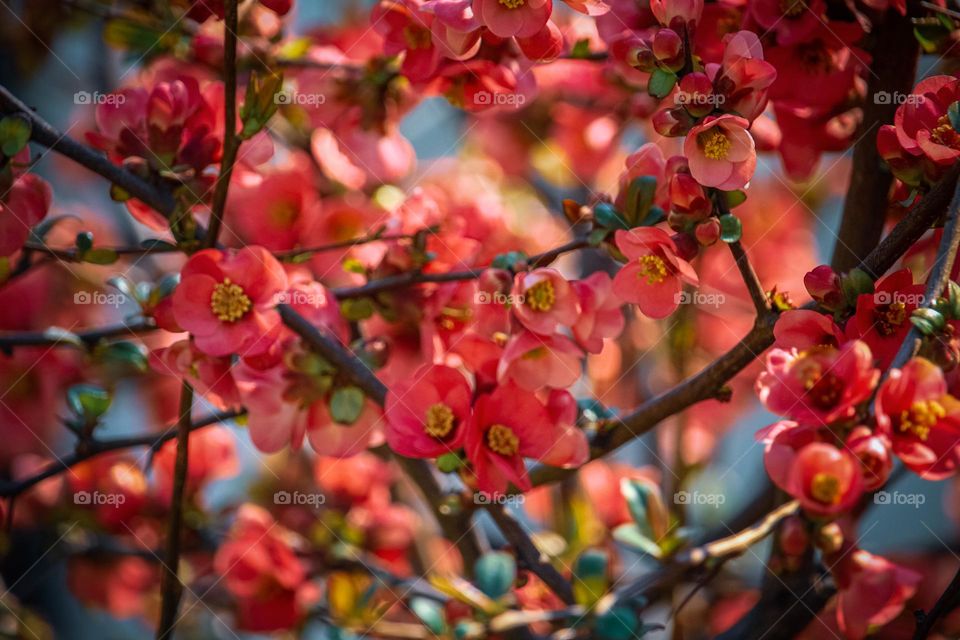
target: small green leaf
100 256
855 283
597 236
616 623
640 195
580 49
126 354
637 495
346 404
661 83
119 194
430 613
607 216
355 309
953 112
734 198
14 134
495 573
655 216
510 260
927 321
631 535
730 228
88 401
449 462
156 244
590 570
352 265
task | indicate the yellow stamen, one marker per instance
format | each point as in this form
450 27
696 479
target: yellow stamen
715 144
512 4
921 417
653 268
891 319
541 296
825 488
229 302
439 422
416 37
503 440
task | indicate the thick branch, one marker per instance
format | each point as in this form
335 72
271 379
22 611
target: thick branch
947 602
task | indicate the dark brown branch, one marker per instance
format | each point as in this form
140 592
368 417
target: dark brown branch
754 288
894 51
171 588
231 144
947 602
88 338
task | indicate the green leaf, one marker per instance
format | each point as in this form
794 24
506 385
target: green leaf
88 401
632 536
156 244
14 134
449 462
616 623
580 49
354 309
661 83
346 404
352 265
640 195
655 216
591 581
730 228
927 321
637 494
953 111
855 283
495 573
430 613
734 198
510 260
607 216
597 236
100 256
125 353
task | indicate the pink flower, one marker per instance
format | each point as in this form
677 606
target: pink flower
805 329
23 206
676 13
570 447
543 301
654 274
873 591
873 451
456 31
883 317
823 285
261 569
822 384
826 480
648 160
209 375
792 22
921 419
534 361
923 124
426 415
507 426
600 314
226 300
721 152
743 78
508 18
405 28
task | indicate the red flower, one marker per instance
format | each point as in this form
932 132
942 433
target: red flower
427 415
792 22
805 329
405 28
826 480
507 18
721 152
543 301
921 419
822 384
654 274
533 361
507 426
874 453
226 300
23 206
873 591
883 317
600 314
922 124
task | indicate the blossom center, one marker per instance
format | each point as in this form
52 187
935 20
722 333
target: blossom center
439 422
503 440
921 417
825 488
653 268
512 4
715 144
891 318
416 37
541 296
944 133
228 301
822 389
791 8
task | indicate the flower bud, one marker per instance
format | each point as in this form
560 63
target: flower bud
823 285
829 538
793 536
687 247
672 122
696 94
641 57
708 232
873 451
668 49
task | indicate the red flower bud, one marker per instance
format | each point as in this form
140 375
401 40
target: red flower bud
708 232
